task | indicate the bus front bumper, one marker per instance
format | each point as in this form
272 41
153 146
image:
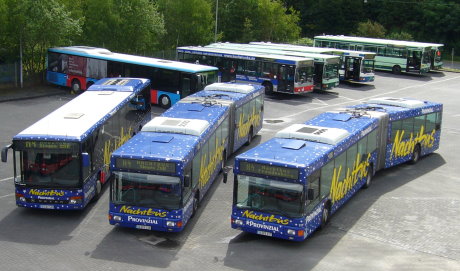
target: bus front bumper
268 229
145 222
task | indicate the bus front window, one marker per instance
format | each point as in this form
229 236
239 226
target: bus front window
304 74
155 191
331 71
49 169
270 196
368 66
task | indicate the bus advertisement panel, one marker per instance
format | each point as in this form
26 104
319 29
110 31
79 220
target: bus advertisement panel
61 161
78 67
289 186
164 171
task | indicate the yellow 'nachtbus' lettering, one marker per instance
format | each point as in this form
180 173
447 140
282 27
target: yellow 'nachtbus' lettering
254 120
270 218
206 169
36 192
340 188
148 212
403 148
115 143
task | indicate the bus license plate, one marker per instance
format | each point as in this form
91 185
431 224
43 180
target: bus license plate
264 233
47 206
143 227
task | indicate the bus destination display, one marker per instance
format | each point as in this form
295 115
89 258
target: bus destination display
165 167
269 170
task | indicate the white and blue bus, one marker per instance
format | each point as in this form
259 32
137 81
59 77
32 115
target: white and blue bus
163 172
78 67
277 73
326 67
355 66
62 160
289 186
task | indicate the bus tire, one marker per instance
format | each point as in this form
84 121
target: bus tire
415 155
76 86
98 189
368 182
250 136
396 69
224 160
195 203
165 102
325 215
268 88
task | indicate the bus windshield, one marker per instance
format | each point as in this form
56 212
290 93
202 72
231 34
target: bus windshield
368 65
147 190
331 71
211 77
270 196
49 169
304 74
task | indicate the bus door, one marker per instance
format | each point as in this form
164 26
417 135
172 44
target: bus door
286 78
414 60
229 70
318 77
352 68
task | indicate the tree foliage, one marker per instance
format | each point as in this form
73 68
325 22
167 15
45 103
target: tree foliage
371 29
187 22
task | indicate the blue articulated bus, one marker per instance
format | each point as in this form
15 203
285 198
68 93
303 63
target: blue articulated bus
163 172
289 186
62 161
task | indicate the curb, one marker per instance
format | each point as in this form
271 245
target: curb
10 99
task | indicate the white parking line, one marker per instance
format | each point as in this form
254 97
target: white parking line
4 196
6 179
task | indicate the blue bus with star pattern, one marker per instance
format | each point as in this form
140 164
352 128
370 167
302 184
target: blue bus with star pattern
289 186
163 172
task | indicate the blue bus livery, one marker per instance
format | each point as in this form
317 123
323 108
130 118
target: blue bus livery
289 186
78 67
163 172
61 161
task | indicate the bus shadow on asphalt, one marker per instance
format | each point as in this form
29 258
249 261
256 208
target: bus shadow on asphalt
39 226
406 76
356 86
255 252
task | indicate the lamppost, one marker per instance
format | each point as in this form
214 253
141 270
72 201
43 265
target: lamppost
215 29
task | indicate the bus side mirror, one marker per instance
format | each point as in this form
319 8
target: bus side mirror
5 153
85 159
310 194
225 171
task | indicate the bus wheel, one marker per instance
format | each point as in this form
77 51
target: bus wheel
165 102
268 88
396 69
76 87
195 204
224 160
250 136
415 155
98 191
325 216
369 178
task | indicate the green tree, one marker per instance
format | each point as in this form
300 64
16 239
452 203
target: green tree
400 36
129 26
187 22
371 29
264 20
34 26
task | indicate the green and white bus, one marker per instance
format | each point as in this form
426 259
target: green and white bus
392 55
325 75
355 66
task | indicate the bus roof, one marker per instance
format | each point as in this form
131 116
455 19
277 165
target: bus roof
175 134
309 144
379 41
272 51
283 59
101 53
75 120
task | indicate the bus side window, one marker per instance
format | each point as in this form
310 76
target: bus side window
326 178
313 190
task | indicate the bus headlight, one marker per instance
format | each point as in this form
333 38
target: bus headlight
117 218
238 222
290 232
170 223
75 200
